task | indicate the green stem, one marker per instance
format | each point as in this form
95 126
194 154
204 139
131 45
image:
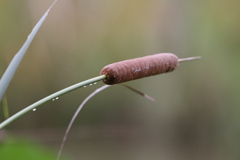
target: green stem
49 98
5 107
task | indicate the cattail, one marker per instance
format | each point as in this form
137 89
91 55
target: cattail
141 67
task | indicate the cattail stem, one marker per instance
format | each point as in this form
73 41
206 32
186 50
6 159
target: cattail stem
49 98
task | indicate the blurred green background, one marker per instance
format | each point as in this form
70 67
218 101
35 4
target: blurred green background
197 112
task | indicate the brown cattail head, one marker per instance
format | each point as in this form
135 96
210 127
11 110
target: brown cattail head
139 67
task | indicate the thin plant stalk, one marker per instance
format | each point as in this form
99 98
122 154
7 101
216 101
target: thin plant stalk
85 101
76 114
49 98
10 71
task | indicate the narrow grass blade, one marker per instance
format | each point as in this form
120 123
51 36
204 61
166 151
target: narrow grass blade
139 92
9 73
76 114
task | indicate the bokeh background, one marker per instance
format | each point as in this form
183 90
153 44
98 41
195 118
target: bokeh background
197 112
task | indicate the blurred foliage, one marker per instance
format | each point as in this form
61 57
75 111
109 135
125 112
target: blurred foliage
16 148
197 113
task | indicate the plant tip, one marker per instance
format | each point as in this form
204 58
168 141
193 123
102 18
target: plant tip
189 59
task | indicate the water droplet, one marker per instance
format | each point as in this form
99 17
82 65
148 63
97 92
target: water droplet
53 99
84 86
34 109
95 83
90 84
56 98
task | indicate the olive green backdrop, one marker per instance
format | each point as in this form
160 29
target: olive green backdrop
197 112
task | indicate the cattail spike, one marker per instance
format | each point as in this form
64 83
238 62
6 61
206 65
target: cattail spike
132 69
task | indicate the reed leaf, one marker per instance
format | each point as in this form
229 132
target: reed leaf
10 71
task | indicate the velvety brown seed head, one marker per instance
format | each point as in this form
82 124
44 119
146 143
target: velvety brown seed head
139 67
